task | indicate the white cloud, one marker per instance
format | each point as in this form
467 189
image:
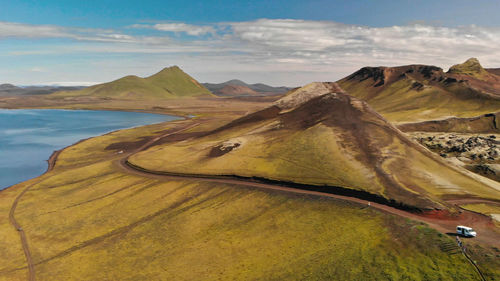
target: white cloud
30 31
276 51
194 30
324 42
18 30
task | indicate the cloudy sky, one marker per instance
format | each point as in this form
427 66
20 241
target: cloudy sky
289 42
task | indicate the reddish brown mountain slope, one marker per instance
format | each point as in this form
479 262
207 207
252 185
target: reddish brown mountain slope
420 92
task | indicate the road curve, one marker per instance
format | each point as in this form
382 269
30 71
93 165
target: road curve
443 224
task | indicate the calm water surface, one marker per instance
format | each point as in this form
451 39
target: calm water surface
29 136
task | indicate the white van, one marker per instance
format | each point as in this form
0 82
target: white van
465 231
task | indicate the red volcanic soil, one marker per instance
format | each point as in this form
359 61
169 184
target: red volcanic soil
386 75
486 85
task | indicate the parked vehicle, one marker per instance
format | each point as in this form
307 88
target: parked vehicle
465 231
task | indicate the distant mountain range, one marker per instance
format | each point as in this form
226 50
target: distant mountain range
170 82
11 90
239 88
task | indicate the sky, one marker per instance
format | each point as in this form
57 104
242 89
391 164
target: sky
288 43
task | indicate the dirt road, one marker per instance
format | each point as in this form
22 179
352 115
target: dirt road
439 220
18 227
22 235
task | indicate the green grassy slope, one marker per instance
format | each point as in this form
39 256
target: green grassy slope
488 123
471 67
171 82
419 93
331 139
88 220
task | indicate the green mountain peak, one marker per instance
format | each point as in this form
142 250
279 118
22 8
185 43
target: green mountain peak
170 82
469 67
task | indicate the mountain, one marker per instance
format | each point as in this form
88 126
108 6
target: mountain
170 82
239 88
471 67
421 92
5 87
319 135
236 90
11 90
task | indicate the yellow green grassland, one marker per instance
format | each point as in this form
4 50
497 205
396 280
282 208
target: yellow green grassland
90 220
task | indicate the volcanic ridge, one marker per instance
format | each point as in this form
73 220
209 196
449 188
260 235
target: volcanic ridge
319 135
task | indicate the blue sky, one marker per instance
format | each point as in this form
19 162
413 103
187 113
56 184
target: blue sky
276 42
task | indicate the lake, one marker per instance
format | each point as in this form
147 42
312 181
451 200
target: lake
29 136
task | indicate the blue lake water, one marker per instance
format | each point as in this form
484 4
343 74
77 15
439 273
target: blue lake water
29 136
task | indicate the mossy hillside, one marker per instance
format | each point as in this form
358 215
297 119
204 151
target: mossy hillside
399 102
178 83
93 221
225 232
265 156
11 252
167 84
471 67
353 157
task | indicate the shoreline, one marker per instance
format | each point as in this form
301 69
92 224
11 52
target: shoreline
166 112
51 161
